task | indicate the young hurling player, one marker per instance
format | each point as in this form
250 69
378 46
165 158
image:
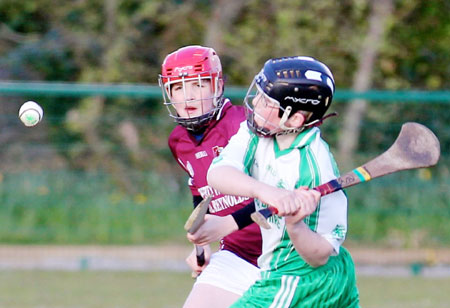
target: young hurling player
275 158
193 87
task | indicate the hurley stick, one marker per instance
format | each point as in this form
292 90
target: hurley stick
415 147
194 222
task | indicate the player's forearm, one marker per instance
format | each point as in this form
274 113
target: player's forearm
213 229
312 247
231 181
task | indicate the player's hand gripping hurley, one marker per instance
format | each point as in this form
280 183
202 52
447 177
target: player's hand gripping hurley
415 147
194 222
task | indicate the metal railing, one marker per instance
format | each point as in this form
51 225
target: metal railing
17 88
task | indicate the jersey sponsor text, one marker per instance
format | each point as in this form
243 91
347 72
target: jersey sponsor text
225 202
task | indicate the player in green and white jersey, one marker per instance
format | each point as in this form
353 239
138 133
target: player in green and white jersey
276 157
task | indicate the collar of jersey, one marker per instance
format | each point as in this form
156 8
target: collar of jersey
303 139
199 137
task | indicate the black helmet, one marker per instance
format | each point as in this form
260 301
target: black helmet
296 83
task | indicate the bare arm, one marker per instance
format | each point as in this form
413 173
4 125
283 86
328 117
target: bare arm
213 229
231 181
313 248
295 205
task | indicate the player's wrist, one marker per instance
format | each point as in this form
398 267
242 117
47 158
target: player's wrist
242 217
230 224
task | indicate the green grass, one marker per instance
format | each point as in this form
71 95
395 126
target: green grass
412 292
405 209
26 289
408 209
33 289
80 208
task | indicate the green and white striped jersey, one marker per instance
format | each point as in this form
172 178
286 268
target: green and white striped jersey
308 162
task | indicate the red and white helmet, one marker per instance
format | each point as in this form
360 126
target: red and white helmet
192 63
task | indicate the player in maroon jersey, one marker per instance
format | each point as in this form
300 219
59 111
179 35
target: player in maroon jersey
193 86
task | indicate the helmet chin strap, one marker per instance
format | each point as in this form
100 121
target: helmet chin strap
216 91
288 130
284 118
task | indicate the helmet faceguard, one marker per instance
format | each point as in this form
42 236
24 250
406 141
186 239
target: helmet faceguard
258 123
198 64
293 84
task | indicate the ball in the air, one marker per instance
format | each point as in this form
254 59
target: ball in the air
30 113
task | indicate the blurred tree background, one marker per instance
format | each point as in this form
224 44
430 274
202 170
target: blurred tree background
98 169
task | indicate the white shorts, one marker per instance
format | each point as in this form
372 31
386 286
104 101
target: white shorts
229 272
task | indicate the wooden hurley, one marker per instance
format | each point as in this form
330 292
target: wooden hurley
415 147
194 222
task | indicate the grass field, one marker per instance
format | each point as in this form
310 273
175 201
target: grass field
68 207
52 289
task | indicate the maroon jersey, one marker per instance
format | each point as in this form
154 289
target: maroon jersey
195 157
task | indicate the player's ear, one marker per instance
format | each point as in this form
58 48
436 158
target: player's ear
297 119
221 84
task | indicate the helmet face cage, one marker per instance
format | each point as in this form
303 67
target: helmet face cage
192 63
297 84
254 99
197 122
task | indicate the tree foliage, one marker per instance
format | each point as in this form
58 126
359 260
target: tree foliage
125 41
